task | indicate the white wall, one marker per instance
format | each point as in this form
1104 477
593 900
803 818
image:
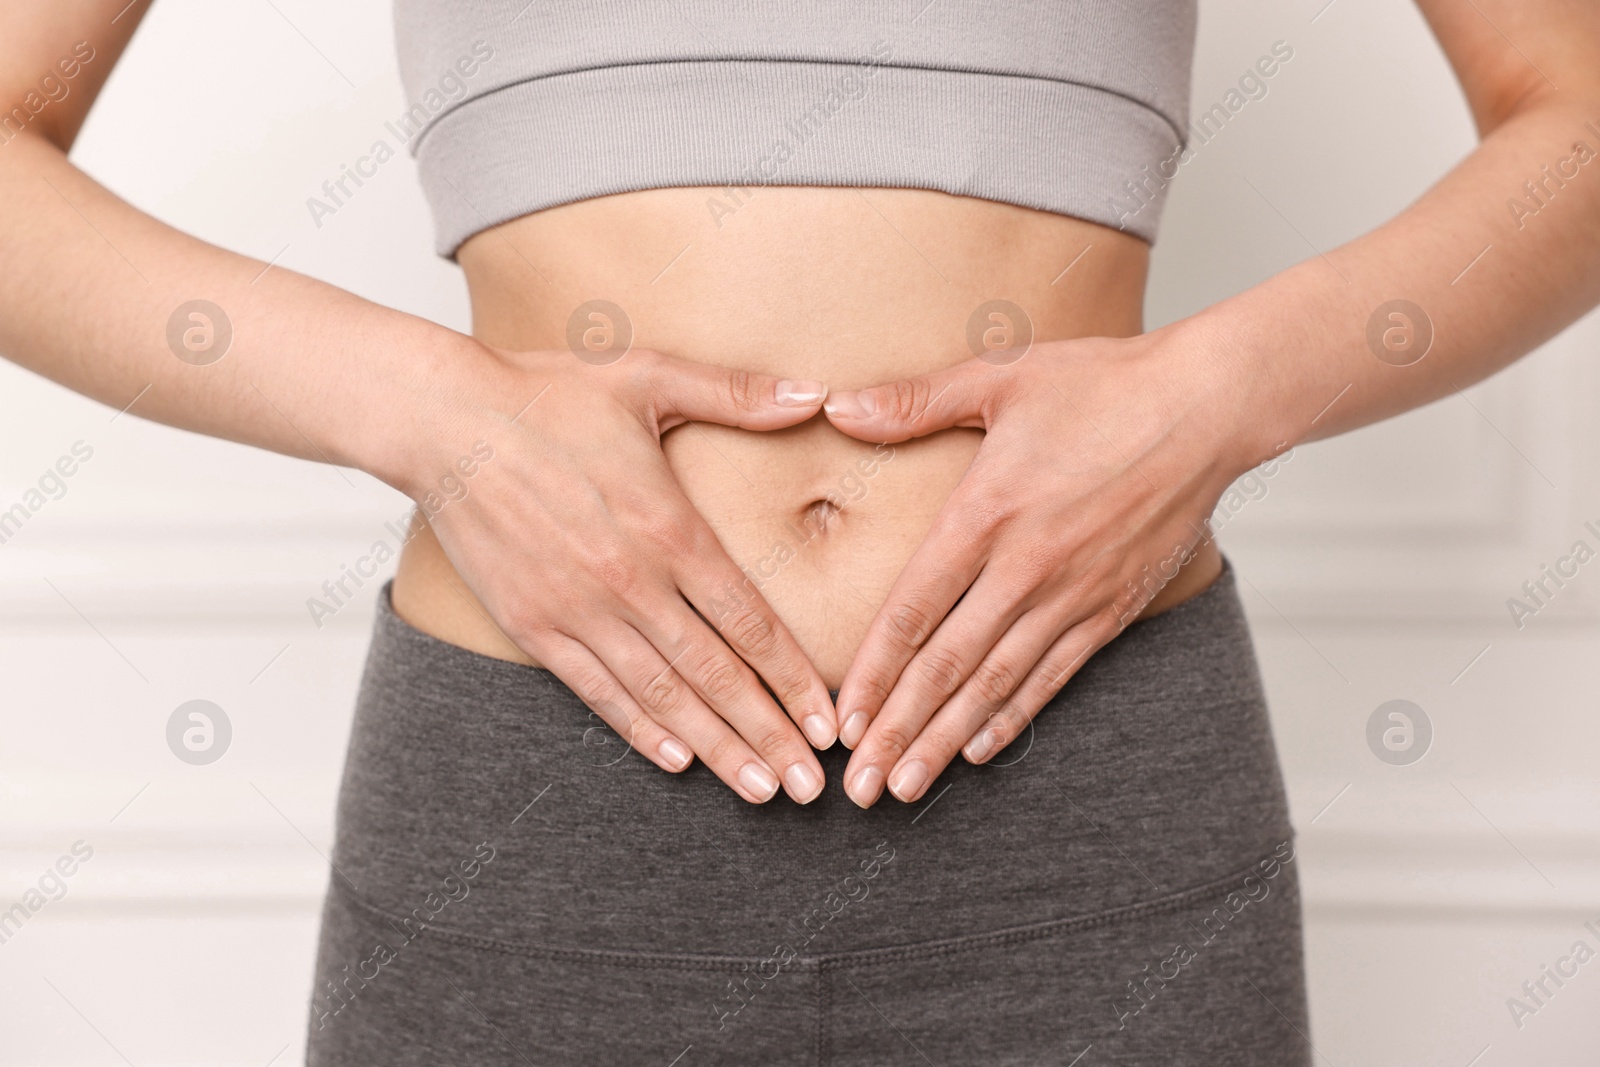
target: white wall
1378 566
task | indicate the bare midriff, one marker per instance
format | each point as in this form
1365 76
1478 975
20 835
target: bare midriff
850 287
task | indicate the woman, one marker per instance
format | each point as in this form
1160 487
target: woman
807 360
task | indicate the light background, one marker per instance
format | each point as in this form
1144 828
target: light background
1377 567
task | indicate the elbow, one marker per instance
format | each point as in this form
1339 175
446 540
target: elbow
53 105
1513 100
18 122
1535 95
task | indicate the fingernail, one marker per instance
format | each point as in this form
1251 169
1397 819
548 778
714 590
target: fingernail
851 405
979 747
818 731
758 781
856 725
865 786
675 753
909 780
804 783
799 394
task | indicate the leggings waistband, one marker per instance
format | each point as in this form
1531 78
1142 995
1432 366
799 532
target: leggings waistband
1152 773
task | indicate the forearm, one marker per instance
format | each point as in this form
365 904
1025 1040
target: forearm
1298 345
311 371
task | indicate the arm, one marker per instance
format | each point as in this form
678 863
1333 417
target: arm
1078 495
590 559
1304 333
92 284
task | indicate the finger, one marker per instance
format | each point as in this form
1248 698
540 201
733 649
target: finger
941 569
597 687
933 676
1064 659
985 692
726 685
730 602
682 391
715 587
967 394
673 703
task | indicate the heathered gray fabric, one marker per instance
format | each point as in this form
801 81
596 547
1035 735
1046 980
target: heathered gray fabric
515 886
1064 107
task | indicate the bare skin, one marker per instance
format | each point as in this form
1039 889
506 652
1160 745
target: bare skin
1050 548
1007 538
823 284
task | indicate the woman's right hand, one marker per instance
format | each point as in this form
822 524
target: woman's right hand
582 547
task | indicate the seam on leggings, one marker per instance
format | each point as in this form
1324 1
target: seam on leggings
822 1016
1043 930
1189 710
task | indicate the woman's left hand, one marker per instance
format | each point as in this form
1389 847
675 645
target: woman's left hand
1101 464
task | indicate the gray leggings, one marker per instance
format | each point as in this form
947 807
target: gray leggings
515 886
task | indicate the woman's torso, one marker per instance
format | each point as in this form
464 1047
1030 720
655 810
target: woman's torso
852 287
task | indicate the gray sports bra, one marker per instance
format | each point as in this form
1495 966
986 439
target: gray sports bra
1073 106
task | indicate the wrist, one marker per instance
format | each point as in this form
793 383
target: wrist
414 417
1245 396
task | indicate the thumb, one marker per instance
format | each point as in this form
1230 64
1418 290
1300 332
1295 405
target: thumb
685 391
964 395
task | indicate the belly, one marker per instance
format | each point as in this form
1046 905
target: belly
849 287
